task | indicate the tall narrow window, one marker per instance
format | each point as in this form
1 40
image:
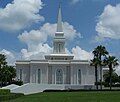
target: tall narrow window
59 76
21 74
59 47
79 76
39 76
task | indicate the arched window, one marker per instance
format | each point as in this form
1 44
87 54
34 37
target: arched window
79 76
59 76
39 76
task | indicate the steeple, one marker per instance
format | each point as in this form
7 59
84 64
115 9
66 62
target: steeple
59 23
59 40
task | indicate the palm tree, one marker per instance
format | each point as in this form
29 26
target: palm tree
100 52
95 62
111 61
2 64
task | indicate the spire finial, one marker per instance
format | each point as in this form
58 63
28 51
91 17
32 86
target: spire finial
59 23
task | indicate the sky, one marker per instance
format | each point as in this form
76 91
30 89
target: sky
27 27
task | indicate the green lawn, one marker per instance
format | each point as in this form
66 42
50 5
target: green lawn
89 96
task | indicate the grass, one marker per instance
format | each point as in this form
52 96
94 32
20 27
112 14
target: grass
89 96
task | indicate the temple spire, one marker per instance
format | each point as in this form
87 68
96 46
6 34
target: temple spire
59 23
59 39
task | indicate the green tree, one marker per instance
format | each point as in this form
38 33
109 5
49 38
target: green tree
95 62
8 73
115 77
5 74
3 63
111 62
100 53
12 73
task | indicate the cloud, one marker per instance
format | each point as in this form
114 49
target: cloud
73 2
36 39
20 14
10 56
81 54
38 52
47 30
99 0
41 50
108 25
37 47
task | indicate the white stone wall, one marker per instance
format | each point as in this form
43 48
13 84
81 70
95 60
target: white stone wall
25 72
87 74
30 73
34 73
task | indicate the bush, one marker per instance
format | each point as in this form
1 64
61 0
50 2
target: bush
6 95
70 90
4 91
17 82
106 84
10 96
116 85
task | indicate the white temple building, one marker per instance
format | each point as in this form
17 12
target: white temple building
58 68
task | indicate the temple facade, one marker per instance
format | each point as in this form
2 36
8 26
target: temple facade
56 68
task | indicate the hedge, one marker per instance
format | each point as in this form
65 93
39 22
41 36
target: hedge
4 91
5 95
106 84
10 96
19 82
81 90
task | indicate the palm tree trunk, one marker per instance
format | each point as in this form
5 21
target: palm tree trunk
6 81
101 77
0 77
110 83
96 80
100 72
110 76
1 82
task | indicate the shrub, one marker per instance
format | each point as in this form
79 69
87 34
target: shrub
106 84
4 91
17 82
10 96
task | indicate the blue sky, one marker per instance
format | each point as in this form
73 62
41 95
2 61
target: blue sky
27 27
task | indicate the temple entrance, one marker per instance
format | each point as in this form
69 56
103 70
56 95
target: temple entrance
59 76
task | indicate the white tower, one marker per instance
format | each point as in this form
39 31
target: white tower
59 43
59 39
